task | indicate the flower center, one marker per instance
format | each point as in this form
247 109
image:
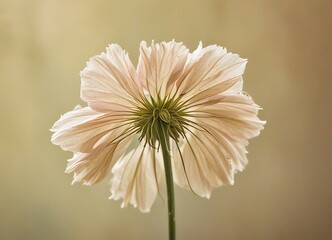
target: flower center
163 114
154 115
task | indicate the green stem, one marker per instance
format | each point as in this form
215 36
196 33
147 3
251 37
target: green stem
165 147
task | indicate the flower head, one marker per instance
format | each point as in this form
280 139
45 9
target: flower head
196 97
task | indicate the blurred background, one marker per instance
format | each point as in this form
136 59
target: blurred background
285 191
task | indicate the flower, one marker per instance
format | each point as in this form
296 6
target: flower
196 97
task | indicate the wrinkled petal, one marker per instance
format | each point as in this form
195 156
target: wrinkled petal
200 164
215 146
92 167
212 94
136 177
160 66
210 71
110 81
234 113
79 130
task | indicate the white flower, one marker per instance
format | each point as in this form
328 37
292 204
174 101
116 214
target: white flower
196 96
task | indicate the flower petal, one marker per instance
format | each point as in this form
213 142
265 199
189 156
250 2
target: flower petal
160 65
79 130
215 146
212 94
110 81
200 164
236 114
136 177
210 71
92 167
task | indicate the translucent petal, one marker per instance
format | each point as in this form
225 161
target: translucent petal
109 81
92 167
210 71
79 130
160 65
136 177
215 145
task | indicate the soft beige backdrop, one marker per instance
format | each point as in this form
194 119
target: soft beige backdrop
285 192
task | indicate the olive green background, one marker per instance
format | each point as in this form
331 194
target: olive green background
285 191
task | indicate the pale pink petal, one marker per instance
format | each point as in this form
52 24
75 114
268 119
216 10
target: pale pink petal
200 163
210 71
136 177
234 113
215 146
212 94
79 130
109 81
160 66
92 167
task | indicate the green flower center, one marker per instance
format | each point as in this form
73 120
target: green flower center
154 115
